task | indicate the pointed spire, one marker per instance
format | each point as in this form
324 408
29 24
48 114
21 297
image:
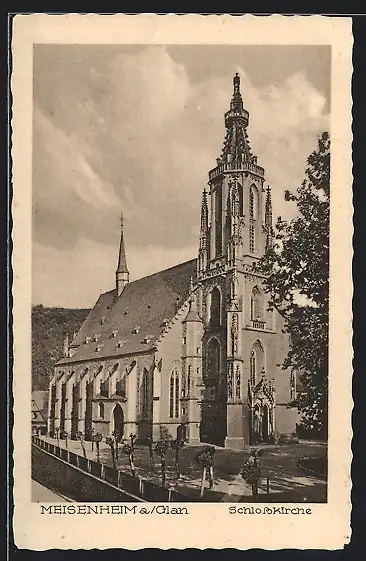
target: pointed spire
204 212
122 263
268 218
236 145
122 273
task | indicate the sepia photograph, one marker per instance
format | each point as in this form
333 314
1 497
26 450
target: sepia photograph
180 273
186 234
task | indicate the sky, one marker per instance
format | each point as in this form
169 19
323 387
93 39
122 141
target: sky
135 129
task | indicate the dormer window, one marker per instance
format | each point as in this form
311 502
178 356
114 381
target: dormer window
102 320
147 339
120 344
87 340
136 329
98 348
114 333
165 322
96 337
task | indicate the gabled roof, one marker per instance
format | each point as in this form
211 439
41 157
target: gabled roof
139 314
39 406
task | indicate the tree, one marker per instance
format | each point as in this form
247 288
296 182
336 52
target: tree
251 472
129 451
205 460
296 267
80 436
117 438
97 438
110 441
177 445
161 448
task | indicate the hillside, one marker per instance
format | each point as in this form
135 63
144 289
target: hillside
49 328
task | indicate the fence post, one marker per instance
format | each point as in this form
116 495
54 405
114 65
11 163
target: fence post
267 485
170 495
102 471
88 465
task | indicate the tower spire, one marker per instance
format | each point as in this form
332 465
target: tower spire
236 146
122 273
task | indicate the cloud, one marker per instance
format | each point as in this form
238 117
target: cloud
75 279
132 132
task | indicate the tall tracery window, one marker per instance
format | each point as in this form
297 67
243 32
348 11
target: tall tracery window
145 393
174 396
213 362
256 304
121 386
104 388
215 308
253 203
253 211
218 221
256 362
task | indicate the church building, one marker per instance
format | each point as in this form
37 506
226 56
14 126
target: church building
192 351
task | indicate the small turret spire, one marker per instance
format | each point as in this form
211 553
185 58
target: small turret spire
122 273
268 218
204 212
203 242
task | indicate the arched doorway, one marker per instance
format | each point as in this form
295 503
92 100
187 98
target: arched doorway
118 420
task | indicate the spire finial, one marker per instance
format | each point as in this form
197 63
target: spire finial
236 81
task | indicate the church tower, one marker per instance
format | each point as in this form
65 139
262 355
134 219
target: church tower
236 229
122 273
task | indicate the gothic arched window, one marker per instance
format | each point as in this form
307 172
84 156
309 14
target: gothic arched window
101 410
256 362
256 305
253 203
174 395
145 393
121 386
215 309
241 203
218 221
213 362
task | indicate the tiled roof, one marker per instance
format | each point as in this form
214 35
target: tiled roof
134 321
